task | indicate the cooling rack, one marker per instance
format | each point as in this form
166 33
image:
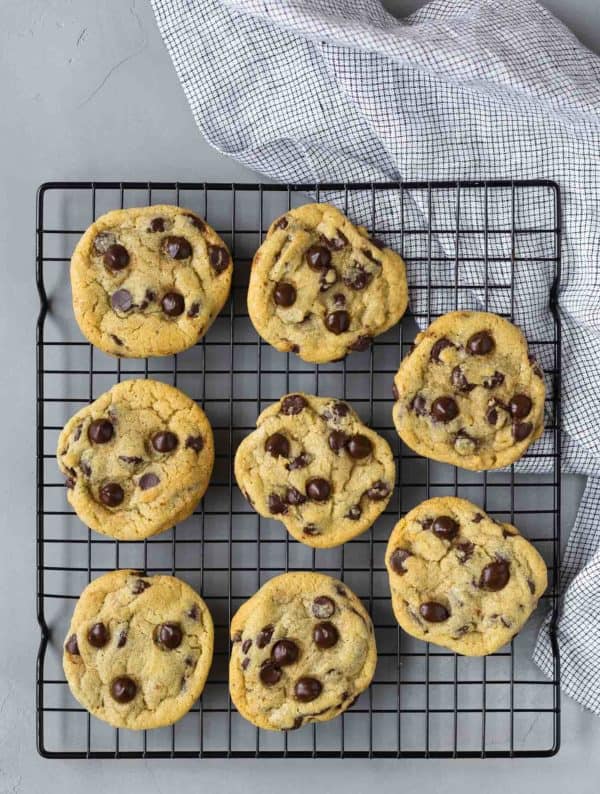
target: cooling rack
424 701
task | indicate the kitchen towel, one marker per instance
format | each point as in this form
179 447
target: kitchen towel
339 90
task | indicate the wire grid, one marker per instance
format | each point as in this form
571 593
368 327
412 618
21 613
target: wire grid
424 701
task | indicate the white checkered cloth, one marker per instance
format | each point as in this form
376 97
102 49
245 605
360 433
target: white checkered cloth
339 90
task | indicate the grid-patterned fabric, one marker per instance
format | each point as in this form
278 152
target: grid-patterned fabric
339 90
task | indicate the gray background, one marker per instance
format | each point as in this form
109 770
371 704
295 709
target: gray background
88 92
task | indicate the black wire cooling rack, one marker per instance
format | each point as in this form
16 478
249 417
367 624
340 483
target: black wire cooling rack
424 701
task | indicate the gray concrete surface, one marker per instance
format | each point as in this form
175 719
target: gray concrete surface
87 91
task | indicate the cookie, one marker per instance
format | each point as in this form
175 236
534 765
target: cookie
137 460
303 651
139 649
469 393
321 287
149 281
460 579
312 464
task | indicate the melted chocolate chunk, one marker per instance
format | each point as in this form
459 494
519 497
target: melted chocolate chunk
318 489
359 447
444 409
465 550
168 636
337 322
263 638
285 652
397 559
98 635
122 639
123 689
437 348
269 673
276 504
519 406
318 257
336 243
111 494
357 278
246 645
176 247
418 405
299 462
477 518
194 310
195 442
121 300
284 294
521 430
100 431
139 586
156 225
307 689
311 529
116 257
480 344
173 304
378 491
497 379
71 645
445 527
460 382
354 513
195 221
495 576
164 441
293 404
277 445
148 480
433 612
294 497
325 635
281 223
337 440
323 607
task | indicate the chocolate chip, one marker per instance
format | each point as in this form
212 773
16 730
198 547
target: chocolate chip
433 612
480 344
246 645
323 607
85 468
116 340
297 724
164 441
148 480
445 527
276 504
98 635
281 223
444 409
378 491
357 278
245 663
466 549
311 529
195 442
116 257
341 590
218 257
277 445
111 494
418 405
325 635
497 379
531 586
195 221
477 518
284 294
354 513
359 447
293 404
100 431
307 689
173 304
176 247
157 225
300 462
194 310
103 241
519 406
336 243
269 673
263 637
397 559
337 440
285 652
437 348
122 639
123 689
318 489
491 416
339 299
71 645
337 322
360 344
495 576
318 257
459 380
193 612
168 636
521 430
139 586
340 409
294 497
150 295
121 300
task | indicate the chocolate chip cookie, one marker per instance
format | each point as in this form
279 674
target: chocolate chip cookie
312 464
137 460
460 579
139 649
303 651
321 287
469 393
149 281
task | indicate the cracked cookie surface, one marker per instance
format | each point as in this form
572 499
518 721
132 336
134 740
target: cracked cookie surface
321 287
312 464
469 394
303 651
137 460
149 281
139 649
460 579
